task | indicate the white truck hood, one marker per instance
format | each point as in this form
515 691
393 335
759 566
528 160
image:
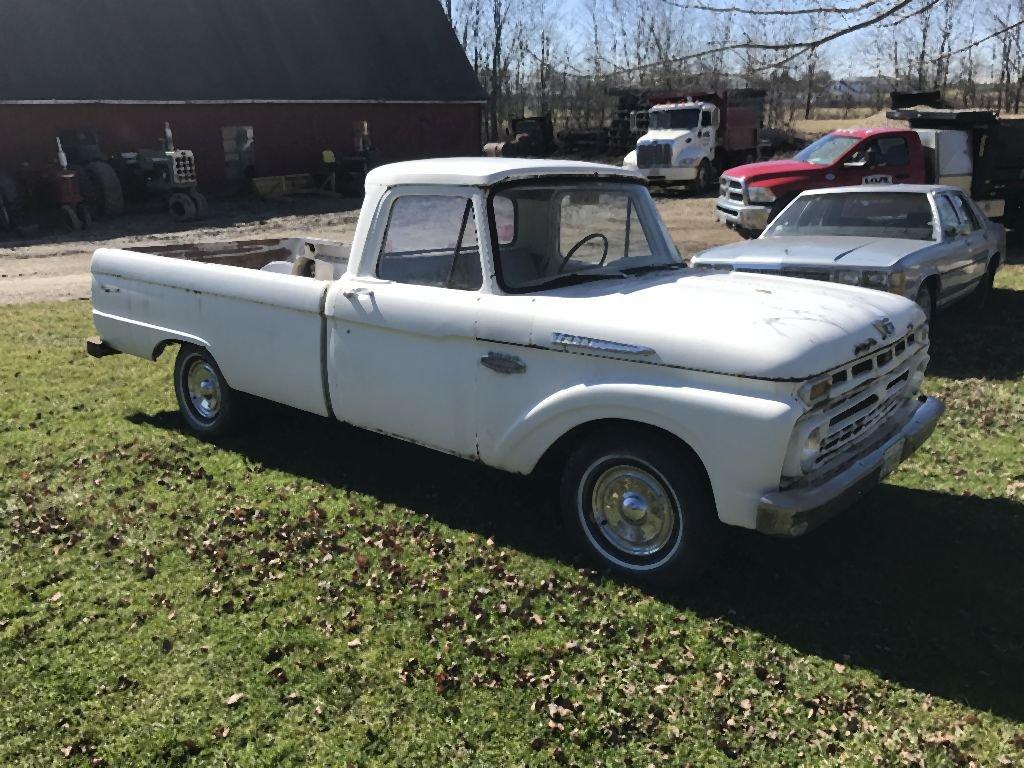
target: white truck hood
833 252
664 136
754 326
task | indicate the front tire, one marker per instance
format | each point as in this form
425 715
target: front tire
208 405
926 301
640 505
703 182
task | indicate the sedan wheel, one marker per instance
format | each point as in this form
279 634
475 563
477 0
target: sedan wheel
926 301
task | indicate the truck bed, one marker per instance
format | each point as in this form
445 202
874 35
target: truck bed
249 303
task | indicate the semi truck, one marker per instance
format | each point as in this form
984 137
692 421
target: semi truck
689 141
973 150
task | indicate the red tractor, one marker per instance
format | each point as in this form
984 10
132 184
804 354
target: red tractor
49 195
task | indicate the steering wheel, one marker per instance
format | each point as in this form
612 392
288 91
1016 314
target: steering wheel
580 244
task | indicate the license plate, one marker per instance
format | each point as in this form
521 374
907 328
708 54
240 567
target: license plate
891 457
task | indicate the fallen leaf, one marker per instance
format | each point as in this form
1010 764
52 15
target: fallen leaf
234 698
355 643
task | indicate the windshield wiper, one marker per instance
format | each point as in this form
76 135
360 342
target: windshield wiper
654 268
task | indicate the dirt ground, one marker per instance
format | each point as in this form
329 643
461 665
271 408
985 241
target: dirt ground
56 267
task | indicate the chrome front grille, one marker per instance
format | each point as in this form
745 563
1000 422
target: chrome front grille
867 391
653 155
732 189
805 274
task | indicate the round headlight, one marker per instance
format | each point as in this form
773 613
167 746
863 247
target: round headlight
877 280
760 195
846 276
812 448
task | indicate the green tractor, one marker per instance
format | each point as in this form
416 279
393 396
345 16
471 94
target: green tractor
166 172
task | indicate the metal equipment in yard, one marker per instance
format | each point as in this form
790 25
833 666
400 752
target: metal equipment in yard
166 172
531 137
48 195
97 179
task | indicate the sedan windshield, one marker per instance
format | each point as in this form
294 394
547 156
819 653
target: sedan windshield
905 215
573 232
675 119
826 150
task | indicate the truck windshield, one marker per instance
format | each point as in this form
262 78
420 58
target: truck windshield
904 215
674 119
577 231
826 150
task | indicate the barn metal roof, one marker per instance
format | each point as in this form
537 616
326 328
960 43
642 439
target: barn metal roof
155 51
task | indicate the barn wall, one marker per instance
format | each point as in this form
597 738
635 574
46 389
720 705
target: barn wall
289 138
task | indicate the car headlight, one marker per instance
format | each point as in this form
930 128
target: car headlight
812 448
846 276
760 195
876 280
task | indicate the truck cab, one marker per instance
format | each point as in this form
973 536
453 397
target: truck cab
679 146
750 196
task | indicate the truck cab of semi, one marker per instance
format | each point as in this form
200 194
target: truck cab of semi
679 146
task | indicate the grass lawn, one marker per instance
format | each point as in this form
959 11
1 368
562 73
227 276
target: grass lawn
309 594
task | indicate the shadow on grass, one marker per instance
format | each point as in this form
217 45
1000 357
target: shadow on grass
927 589
968 343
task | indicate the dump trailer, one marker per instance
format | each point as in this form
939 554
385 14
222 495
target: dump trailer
976 151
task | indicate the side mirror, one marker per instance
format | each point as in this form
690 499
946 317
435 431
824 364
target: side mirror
950 231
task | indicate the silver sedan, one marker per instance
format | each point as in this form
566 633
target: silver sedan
929 243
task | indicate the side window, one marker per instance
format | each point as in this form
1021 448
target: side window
947 214
505 219
892 150
966 212
431 240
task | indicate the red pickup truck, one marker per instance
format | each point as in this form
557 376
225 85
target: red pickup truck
972 150
752 195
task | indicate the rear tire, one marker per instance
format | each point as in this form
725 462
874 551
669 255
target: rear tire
209 406
202 206
640 505
983 290
108 192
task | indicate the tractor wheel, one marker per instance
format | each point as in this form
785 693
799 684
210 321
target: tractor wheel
87 186
69 219
84 214
202 206
110 195
181 207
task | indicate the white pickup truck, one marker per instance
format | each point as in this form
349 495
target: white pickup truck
518 311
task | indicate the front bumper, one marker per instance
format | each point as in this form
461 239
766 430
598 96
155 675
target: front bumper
794 511
670 175
736 214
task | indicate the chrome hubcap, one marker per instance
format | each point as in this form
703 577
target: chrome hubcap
203 389
633 510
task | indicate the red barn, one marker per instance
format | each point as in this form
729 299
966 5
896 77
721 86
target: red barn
251 86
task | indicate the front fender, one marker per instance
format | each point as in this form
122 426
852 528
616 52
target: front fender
741 439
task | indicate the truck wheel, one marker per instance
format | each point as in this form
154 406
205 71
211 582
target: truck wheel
641 506
202 206
181 207
109 194
703 182
208 405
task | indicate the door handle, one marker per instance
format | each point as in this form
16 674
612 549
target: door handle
500 363
353 293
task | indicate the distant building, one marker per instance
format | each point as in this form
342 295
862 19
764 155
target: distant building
253 87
